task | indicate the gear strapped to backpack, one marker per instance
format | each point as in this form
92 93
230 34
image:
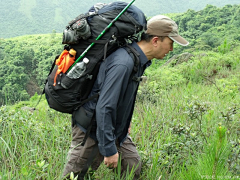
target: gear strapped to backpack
70 81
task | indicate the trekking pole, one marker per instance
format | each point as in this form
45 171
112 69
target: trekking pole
101 34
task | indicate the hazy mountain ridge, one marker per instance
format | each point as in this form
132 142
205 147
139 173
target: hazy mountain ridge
40 17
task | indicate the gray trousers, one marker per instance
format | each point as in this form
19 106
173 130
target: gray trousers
80 158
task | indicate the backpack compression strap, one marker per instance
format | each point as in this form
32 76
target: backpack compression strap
105 42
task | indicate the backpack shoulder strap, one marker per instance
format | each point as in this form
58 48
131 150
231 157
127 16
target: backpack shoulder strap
135 57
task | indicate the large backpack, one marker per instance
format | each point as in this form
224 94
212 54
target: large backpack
128 26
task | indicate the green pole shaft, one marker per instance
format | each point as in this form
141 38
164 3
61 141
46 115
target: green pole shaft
101 34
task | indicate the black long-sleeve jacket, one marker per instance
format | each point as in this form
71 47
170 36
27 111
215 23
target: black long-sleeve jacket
114 107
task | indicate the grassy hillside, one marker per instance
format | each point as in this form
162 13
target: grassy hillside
185 124
22 17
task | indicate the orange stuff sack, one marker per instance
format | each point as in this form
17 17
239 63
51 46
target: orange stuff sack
65 60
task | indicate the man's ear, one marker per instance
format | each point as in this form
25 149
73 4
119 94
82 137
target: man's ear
155 40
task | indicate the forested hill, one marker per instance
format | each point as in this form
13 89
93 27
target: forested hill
25 61
23 17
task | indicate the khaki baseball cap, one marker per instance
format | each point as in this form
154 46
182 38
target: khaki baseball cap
161 25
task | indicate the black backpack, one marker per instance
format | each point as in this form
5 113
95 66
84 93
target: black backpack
128 27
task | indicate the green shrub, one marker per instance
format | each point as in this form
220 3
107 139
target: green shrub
229 86
225 47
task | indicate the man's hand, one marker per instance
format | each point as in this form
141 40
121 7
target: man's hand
129 129
111 161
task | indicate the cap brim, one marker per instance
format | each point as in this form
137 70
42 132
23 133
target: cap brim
180 40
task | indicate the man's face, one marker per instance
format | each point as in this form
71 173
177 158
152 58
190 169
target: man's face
163 47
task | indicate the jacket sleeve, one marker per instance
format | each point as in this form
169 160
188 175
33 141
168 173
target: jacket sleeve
113 88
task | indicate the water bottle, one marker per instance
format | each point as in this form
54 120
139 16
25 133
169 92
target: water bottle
78 69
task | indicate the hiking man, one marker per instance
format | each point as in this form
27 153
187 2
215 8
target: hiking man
109 139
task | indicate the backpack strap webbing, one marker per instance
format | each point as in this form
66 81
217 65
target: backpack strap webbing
105 42
88 129
86 100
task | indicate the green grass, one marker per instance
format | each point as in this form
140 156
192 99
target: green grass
174 127
169 131
34 145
